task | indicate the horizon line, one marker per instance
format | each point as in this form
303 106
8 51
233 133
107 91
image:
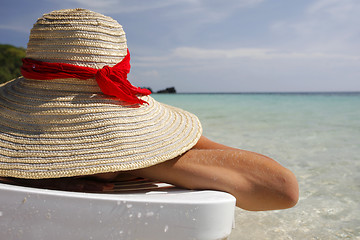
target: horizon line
270 92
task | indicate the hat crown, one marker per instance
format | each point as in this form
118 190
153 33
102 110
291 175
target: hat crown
77 36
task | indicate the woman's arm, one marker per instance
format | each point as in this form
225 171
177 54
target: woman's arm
256 181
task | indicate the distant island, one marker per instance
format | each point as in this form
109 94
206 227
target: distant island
167 90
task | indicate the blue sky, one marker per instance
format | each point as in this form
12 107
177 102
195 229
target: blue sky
223 46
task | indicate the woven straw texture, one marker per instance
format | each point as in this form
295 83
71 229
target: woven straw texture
79 37
67 127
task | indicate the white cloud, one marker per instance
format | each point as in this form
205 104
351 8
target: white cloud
329 26
249 69
202 53
151 73
339 9
198 56
214 10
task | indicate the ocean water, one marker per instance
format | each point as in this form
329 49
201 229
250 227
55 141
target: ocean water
317 136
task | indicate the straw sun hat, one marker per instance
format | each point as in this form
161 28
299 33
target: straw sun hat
67 126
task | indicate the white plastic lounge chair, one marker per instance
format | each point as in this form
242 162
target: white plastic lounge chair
152 211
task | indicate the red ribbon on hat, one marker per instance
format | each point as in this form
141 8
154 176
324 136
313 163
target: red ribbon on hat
111 80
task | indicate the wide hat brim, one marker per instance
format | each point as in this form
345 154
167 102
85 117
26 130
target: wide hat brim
67 127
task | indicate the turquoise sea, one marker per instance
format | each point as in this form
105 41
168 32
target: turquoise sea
316 135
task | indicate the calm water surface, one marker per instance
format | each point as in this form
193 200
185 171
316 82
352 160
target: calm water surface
317 136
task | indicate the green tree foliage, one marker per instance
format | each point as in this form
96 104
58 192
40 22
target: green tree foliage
10 62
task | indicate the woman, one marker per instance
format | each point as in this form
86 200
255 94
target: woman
74 114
